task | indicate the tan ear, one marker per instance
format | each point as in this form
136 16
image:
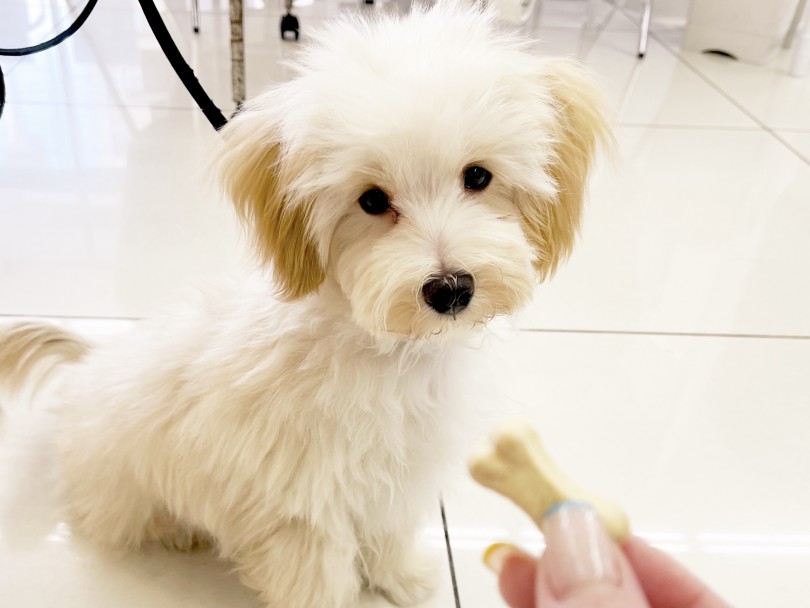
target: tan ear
254 174
578 128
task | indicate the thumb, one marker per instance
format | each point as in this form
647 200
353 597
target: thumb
582 567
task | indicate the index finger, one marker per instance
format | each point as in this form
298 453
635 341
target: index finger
517 580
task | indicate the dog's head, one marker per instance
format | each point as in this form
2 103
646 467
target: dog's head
431 166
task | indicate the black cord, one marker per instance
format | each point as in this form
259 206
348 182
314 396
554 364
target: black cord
181 68
72 29
30 50
449 554
2 92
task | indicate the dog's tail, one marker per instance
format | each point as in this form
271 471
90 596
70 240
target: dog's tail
32 351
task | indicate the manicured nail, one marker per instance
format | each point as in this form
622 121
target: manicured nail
495 555
579 553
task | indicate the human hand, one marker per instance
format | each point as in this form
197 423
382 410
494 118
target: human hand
583 568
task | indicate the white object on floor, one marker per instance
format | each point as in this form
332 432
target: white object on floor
515 12
750 31
644 28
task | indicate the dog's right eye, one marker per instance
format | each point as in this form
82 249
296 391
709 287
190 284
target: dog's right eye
476 178
374 201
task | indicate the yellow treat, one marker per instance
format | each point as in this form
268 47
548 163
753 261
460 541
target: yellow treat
515 464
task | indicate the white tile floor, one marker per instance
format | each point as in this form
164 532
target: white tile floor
667 364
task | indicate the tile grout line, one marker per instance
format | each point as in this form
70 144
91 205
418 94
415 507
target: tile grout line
548 330
769 130
92 104
453 579
193 109
717 88
10 315
641 125
665 334
794 130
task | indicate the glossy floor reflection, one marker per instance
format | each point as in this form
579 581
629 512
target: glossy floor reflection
666 365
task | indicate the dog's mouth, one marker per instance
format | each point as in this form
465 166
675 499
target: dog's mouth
428 324
452 302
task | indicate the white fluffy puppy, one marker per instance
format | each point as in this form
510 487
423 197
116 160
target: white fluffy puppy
412 181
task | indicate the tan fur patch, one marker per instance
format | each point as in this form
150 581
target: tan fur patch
26 344
254 176
579 128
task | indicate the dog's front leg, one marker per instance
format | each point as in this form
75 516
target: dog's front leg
296 566
396 567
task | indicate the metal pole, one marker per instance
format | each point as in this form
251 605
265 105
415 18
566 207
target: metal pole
195 15
237 53
644 29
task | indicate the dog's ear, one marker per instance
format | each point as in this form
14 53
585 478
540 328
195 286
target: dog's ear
578 128
255 173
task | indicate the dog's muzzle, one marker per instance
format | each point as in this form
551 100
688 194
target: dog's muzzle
449 294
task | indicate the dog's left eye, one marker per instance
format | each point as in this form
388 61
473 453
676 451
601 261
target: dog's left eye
374 201
476 178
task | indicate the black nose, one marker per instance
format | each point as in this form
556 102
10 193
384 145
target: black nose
449 294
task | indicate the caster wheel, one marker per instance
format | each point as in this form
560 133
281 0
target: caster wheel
289 23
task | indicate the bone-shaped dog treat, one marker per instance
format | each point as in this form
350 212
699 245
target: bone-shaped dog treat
515 463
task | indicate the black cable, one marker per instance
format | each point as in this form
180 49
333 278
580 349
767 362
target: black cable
449 554
72 29
30 50
181 68
2 92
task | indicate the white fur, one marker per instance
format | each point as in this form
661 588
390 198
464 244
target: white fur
304 435
282 430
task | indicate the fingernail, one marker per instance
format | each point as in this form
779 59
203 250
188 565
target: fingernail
579 553
495 555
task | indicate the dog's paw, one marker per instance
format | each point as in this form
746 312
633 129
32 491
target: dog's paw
175 536
186 540
411 582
